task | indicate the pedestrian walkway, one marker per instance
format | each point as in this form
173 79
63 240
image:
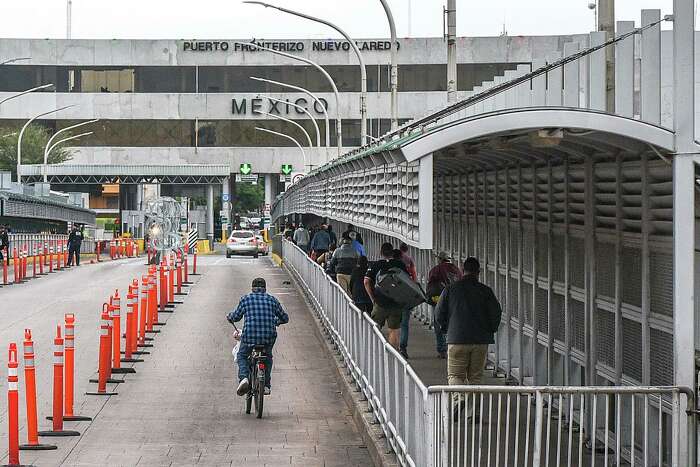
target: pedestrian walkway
180 408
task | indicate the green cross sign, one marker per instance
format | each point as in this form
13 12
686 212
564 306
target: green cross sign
246 168
286 169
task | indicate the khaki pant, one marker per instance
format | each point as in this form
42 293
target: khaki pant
465 363
344 281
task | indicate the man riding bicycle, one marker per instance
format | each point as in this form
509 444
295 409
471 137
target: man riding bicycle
263 313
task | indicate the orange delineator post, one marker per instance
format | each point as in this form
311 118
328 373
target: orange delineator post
15 266
144 316
34 257
194 262
41 261
179 273
5 259
69 376
116 330
13 406
185 264
153 297
163 286
30 396
50 258
132 317
104 361
171 279
57 418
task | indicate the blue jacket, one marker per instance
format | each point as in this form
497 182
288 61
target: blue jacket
263 313
321 241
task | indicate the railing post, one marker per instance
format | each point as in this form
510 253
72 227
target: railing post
537 442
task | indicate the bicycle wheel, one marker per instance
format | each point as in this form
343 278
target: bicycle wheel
250 396
260 394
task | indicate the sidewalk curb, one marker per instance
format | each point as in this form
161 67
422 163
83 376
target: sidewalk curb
371 433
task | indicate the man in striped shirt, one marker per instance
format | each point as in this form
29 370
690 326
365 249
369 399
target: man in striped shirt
262 313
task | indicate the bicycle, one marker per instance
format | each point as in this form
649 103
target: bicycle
257 361
256 389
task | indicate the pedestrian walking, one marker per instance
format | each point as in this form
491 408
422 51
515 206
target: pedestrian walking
357 285
331 234
384 309
402 254
301 238
320 242
439 277
4 241
470 314
75 240
343 262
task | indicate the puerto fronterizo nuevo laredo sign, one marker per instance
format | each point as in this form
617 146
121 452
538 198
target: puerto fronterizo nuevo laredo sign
285 46
243 106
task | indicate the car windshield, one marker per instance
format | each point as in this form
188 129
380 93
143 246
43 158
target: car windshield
241 234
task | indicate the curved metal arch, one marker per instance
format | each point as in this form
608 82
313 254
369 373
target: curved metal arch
533 119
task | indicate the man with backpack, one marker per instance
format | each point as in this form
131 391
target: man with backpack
385 309
439 277
470 314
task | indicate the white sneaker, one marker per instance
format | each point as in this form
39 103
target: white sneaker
243 387
267 391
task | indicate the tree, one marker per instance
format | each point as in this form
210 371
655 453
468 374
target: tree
33 144
248 197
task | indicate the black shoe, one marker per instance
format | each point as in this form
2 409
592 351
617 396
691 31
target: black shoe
442 355
403 353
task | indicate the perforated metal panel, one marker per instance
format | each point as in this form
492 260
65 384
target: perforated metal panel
632 343
632 276
661 282
577 258
578 325
605 336
541 312
661 344
605 269
558 318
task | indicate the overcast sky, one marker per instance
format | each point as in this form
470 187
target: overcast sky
213 19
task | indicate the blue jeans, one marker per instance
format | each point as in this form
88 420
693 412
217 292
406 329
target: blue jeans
440 337
405 321
243 364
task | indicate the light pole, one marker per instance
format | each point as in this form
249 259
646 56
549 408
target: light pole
48 146
13 60
284 119
70 138
303 154
21 134
394 67
363 68
338 121
20 94
313 120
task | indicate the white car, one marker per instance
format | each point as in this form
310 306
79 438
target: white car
242 242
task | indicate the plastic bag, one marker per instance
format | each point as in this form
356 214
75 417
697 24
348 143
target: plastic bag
235 350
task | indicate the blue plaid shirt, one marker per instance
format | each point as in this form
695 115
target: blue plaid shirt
263 313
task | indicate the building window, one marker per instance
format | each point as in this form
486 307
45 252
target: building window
105 80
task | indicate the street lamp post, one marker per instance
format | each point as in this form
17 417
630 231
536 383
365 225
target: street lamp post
313 120
288 120
338 121
308 93
48 146
363 68
21 134
70 138
303 154
394 67
20 94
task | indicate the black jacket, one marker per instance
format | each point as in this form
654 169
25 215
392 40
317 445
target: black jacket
75 239
4 241
469 311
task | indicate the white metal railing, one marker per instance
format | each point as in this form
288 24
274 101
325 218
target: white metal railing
396 394
441 426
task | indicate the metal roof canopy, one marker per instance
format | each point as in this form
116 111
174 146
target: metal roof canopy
128 174
33 207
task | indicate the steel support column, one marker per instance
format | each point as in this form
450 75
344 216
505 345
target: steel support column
210 215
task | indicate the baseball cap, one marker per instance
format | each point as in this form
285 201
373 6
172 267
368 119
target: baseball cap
443 256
